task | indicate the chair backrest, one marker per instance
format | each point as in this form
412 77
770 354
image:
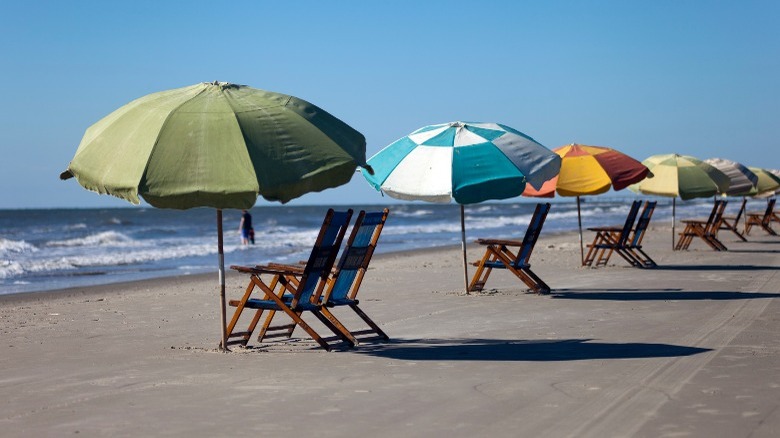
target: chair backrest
532 233
770 206
629 225
323 255
740 212
642 223
713 225
356 256
711 218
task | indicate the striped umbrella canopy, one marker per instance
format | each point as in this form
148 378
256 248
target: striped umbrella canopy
461 161
741 179
465 162
681 176
768 183
590 170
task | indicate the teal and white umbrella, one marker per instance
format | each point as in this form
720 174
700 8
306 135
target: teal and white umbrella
465 162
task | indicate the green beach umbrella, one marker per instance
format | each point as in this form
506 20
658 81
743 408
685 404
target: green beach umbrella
218 145
681 176
768 183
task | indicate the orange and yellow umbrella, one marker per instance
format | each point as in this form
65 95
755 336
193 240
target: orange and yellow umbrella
590 170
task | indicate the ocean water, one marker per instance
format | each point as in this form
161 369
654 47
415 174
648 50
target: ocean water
44 250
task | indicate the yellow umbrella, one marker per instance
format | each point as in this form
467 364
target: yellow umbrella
589 170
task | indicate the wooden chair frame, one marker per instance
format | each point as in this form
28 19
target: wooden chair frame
705 230
634 246
762 220
304 291
498 255
613 239
732 222
344 283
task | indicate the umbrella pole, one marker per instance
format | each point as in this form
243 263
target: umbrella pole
463 248
220 247
674 215
579 221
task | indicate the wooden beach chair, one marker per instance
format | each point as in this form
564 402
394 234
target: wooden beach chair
763 220
611 239
705 230
636 255
344 283
498 255
731 222
305 290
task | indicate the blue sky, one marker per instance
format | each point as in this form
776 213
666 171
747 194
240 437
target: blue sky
692 77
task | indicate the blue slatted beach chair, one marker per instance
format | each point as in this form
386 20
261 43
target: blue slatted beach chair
498 255
344 284
610 239
304 292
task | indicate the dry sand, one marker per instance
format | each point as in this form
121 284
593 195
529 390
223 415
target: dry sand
688 349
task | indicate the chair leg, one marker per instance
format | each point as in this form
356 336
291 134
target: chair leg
591 255
335 326
733 229
267 324
245 336
629 257
369 321
645 260
291 313
482 273
541 286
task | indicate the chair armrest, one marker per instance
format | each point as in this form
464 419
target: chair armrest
499 242
257 270
299 268
607 229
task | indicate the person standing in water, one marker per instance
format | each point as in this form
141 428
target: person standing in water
245 228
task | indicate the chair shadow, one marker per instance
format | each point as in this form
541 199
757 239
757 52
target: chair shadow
655 295
495 350
756 251
715 268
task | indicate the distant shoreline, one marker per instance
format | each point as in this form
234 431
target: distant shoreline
121 287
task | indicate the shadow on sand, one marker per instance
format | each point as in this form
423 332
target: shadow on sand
495 350
654 295
756 251
715 268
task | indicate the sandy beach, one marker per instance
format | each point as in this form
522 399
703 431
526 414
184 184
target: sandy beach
688 349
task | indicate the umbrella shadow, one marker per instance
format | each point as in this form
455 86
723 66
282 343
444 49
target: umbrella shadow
756 251
715 268
495 350
655 295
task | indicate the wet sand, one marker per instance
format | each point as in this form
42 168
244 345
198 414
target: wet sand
688 349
